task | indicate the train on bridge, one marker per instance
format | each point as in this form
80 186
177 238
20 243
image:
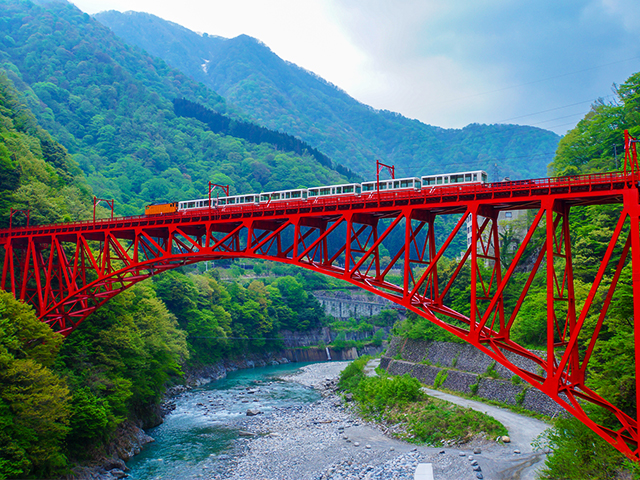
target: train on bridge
307 194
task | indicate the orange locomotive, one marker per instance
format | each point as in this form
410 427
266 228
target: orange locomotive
161 208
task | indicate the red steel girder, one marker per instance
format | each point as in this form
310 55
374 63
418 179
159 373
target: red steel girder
67 271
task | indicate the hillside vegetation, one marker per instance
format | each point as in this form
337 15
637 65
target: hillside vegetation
283 96
111 106
36 172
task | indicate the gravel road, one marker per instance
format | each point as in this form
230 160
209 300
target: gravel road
325 440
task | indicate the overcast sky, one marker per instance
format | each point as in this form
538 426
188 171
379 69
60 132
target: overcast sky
445 62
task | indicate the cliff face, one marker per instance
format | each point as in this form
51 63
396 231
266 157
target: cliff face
324 336
465 369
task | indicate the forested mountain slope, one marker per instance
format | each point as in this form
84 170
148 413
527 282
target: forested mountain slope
283 96
111 106
36 172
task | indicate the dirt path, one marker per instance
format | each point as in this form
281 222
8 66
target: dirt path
500 462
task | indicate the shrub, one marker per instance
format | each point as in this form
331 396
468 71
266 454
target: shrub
474 388
440 378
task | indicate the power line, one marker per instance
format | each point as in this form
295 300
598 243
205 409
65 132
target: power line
551 110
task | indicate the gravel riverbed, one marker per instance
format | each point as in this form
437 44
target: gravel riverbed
325 440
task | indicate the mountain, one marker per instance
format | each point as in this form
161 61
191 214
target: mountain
283 96
111 106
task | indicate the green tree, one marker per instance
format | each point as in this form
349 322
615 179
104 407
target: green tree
34 401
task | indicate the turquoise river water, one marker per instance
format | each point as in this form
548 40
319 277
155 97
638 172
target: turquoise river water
202 435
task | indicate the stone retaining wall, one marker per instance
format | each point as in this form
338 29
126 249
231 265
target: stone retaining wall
343 305
465 367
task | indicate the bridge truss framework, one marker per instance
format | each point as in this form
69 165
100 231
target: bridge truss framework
67 271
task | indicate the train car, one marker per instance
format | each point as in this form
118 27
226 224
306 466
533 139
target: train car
239 200
332 190
446 179
409 183
189 205
161 208
299 194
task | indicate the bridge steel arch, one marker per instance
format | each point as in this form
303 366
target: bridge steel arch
67 271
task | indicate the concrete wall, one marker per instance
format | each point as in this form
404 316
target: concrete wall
465 367
343 305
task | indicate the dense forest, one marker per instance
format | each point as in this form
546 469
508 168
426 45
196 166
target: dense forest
284 97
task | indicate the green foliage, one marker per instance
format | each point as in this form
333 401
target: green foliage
491 371
400 400
118 363
440 378
474 388
376 394
419 328
436 422
579 453
34 401
36 173
353 374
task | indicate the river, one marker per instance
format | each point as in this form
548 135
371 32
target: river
204 433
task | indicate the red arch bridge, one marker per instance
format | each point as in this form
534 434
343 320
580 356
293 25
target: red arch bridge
393 245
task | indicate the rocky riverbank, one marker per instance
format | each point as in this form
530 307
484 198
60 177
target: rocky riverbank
326 440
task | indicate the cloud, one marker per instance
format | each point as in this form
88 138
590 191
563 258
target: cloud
469 60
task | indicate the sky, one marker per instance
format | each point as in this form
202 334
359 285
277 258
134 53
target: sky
447 63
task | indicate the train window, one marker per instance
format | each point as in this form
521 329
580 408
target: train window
439 180
467 177
287 195
232 201
264 197
475 177
357 190
295 194
429 181
313 192
304 194
275 196
367 187
396 184
325 191
484 177
191 205
347 189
